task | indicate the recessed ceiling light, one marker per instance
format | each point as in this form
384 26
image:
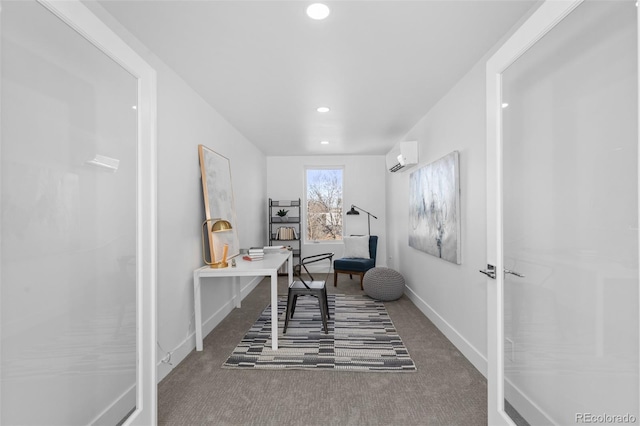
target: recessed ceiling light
323 109
324 142
505 104
318 11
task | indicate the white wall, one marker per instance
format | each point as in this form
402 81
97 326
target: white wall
364 186
452 296
184 121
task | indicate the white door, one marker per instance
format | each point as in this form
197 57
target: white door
77 198
562 185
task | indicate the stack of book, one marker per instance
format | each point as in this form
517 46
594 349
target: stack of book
255 253
286 233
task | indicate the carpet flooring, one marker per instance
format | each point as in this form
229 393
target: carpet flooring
360 337
445 390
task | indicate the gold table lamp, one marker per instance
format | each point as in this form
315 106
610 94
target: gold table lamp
219 225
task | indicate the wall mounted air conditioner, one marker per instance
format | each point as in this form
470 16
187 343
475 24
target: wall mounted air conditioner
402 156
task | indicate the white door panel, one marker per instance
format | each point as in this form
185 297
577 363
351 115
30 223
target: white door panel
77 263
563 188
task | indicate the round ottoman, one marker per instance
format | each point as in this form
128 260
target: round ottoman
383 284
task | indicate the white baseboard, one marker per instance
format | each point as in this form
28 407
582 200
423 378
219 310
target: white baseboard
118 410
189 343
474 356
528 409
123 405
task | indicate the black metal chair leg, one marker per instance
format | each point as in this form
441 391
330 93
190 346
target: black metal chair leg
293 307
326 302
289 312
324 311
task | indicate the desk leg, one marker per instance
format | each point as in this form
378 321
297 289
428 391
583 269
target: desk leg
237 291
198 310
274 310
290 268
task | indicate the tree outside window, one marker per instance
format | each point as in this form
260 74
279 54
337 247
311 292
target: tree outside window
324 204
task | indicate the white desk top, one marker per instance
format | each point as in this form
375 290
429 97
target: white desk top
271 262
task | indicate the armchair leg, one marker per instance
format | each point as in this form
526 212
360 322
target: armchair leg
351 274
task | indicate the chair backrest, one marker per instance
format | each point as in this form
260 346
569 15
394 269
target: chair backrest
373 247
312 259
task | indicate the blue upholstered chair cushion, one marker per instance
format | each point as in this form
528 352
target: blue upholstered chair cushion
356 264
353 264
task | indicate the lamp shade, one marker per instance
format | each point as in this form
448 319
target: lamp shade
369 215
221 226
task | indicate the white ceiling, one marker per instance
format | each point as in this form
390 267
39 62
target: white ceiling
266 67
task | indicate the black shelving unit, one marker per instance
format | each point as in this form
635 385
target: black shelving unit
285 231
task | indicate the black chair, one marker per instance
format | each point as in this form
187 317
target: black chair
309 288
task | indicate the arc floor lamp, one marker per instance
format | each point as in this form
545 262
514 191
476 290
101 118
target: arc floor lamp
353 211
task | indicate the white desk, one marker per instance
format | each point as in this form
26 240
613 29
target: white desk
266 267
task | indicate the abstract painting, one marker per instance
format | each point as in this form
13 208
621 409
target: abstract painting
434 208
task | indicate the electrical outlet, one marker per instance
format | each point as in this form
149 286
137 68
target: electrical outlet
509 349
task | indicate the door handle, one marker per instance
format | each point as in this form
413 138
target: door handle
517 274
490 271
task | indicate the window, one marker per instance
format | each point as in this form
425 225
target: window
324 204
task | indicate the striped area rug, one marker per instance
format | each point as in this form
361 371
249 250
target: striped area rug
361 338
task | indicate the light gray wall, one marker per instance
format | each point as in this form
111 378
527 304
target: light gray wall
364 186
184 121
